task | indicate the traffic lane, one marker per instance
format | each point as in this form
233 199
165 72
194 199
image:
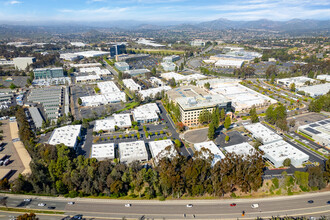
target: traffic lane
33 204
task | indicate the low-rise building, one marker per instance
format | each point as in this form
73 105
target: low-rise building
93 53
324 77
179 77
89 78
197 43
298 81
131 151
122 66
78 44
209 149
276 152
229 63
36 117
97 100
47 73
262 133
242 149
162 148
109 124
146 113
319 131
316 90
103 151
67 135
172 58
131 85
156 81
70 56
22 62
153 91
167 66
137 72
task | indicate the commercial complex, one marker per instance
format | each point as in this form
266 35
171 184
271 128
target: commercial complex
36 117
237 55
319 131
70 56
50 98
117 49
137 72
153 91
262 133
22 62
109 124
89 78
324 77
131 151
67 135
168 66
316 90
92 53
52 81
122 66
298 81
146 113
242 149
213 151
47 73
197 43
229 63
96 70
131 85
162 148
103 151
149 43
172 58
276 152
179 77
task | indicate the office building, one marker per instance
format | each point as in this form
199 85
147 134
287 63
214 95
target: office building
262 133
131 151
316 90
171 59
103 151
153 91
242 149
67 135
298 81
117 49
70 56
162 148
22 62
137 72
229 63
92 53
156 81
197 43
318 131
181 78
168 66
36 117
131 85
323 77
276 152
89 78
78 44
122 66
146 113
149 43
209 149
4 62
110 123
47 73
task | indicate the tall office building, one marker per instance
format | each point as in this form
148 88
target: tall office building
47 73
117 49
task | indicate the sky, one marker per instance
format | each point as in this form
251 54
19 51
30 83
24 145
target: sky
161 10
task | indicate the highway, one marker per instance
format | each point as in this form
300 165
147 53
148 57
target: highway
175 209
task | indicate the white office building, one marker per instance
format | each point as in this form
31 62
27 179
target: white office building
70 56
229 63
211 150
319 131
89 78
298 81
316 90
156 81
323 77
97 70
172 58
179 77
262 133
109 124
78 44
242 149
146 113
131 85
131 151
93 53
66 135
122 66
162 148
103 151
277 152
153 91
22 62
168 66
197 43
85 65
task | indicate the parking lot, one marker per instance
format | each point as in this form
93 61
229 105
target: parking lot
147 63
196 136
19 81
307 119
15 164
235 138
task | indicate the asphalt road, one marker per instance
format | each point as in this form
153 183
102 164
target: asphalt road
202 209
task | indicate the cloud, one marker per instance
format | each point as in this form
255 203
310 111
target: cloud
13 2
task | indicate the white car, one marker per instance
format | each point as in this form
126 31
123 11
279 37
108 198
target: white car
27 200
70 203
254 206
128 205
189 205
41 204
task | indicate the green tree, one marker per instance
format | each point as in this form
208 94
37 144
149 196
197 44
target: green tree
211 131
12 86
287 162
222 114
293 87
79 101
227 138
227 122
207 85
253 115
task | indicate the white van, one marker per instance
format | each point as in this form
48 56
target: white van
254 206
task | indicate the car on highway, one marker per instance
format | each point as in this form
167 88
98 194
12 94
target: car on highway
27 200
328 202
310 201
41 204
233 204
51 207
77 217
70 203
254 206
128 205
189 205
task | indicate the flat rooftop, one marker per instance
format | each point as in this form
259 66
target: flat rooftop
190 103
162 148
186 91
241 149
130 151
66 135
214 150
103 151
261 132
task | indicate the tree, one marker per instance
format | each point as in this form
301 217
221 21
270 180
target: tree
315 178
287 162
211 131
26 216
177 143
222 114
227 122
227 138
12 86
207 85
79 101
253 115
293 87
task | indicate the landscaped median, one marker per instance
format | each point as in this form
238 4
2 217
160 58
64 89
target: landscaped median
31 211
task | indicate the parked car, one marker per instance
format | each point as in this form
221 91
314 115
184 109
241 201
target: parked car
6 162
77 217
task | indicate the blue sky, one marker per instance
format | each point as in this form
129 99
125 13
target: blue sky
162 10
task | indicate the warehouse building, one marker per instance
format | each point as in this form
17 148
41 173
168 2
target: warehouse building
22 62
172 58
146 113
242 149
36 117
70 56
262 133
137 72
276 152
122 66
131 151
47 73
168 66
162 148
319 131
213 151
298 81
92 53
324 77
229 63
316 90
109 124
131 85
103 151
89 78
67 135
153 91
179 77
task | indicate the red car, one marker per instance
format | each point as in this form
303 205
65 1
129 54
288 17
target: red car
233 204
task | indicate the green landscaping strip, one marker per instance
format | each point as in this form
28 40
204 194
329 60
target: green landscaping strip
30 210
304 135
305 145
